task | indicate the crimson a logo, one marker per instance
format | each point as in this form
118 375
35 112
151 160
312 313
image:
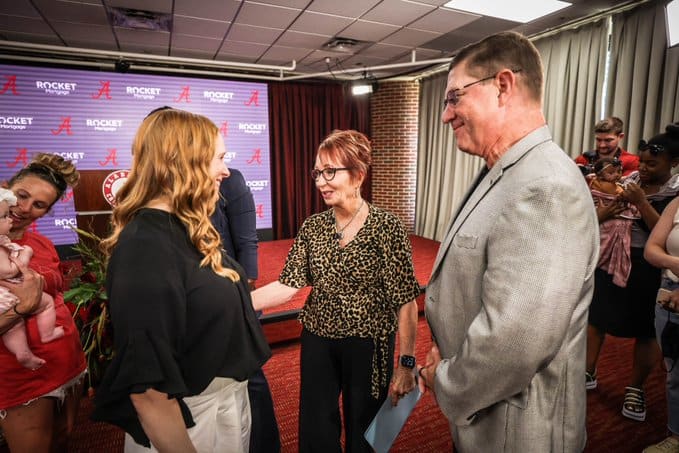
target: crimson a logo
112 183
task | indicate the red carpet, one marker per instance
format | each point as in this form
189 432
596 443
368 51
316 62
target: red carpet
427 429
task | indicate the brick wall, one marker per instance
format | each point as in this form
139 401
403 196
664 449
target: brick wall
394 138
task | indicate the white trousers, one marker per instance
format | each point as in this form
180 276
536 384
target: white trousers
222 416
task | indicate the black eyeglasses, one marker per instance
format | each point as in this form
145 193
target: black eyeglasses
453 98
650 147
328 173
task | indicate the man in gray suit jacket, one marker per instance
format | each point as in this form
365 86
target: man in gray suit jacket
510 289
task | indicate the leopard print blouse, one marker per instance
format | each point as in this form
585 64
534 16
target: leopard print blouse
357 289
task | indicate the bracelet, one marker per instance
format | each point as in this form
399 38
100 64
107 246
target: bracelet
23 315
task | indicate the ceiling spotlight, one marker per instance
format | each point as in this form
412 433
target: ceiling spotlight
366 85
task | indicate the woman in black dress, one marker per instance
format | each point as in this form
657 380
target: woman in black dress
186 336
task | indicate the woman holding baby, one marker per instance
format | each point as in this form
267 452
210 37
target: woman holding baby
38 406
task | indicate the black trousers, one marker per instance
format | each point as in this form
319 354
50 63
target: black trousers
331 367
264 437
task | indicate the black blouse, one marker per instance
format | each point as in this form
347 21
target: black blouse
176 325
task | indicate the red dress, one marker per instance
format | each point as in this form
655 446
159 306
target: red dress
64 357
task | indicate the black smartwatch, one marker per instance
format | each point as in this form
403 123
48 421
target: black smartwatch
408 361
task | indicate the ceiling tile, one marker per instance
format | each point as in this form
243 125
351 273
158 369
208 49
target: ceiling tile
304 40
434 2
138 39
245 49
24 25
72 12
84 33
429 54
282 54
397 12
198 43
156 6
299 4
410 38
362 61
368 31
471 32
37 38
206 28
346 8
250 33
320 56
18 8
200 54
443 20
266 15
322 24
386 51
223 10
137 47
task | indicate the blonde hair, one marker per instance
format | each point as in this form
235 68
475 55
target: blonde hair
172 153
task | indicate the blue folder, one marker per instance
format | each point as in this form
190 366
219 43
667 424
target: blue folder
389 420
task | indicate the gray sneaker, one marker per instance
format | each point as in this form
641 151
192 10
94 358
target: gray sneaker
669 445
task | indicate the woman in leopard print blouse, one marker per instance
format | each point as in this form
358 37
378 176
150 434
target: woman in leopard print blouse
357 259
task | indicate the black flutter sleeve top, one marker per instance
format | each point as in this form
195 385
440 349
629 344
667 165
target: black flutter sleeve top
176 325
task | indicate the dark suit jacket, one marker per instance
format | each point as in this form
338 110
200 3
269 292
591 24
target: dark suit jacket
236 221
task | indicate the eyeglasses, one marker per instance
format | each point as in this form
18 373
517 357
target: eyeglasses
453 98
328 173
650 147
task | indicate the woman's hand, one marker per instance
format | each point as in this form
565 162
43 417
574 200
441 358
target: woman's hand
634 194
28 291
609 211
672 302
402 383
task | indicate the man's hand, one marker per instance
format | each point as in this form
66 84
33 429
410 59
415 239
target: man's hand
427 372
29 290
402 383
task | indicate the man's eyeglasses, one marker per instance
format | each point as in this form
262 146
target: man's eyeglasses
328 173
651 147
453 98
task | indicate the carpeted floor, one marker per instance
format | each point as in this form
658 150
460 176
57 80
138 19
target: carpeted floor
427 430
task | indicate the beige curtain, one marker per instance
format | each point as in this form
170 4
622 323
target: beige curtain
443 172
642 89
669 109
574 63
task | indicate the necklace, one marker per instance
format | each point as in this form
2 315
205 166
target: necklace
339 234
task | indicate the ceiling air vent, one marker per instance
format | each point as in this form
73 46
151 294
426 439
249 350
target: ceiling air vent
343 45
139 19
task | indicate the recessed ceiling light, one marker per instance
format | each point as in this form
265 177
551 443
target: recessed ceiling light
517 10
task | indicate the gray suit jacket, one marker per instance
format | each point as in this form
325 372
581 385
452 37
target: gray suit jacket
507 304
